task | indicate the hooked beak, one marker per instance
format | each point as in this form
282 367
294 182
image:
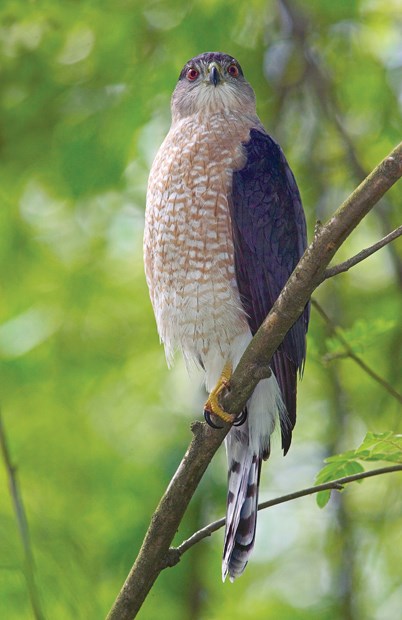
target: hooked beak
214 76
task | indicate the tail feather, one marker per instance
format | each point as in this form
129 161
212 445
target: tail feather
246 446
242 502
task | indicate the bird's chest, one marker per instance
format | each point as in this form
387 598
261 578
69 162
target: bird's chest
188 242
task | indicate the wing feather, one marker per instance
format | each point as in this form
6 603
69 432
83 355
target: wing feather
269 234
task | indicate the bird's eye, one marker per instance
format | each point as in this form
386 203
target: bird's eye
192 74
233 71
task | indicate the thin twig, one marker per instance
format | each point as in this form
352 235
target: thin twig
354 260
336 485
22 524
352 355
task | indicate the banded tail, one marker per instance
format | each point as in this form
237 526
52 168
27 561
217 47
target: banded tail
241 511
246 447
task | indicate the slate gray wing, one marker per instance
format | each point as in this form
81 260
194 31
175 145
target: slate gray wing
269 234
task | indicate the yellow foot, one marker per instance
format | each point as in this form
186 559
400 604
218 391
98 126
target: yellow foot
212 405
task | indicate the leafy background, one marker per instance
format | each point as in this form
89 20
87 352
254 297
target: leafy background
95 423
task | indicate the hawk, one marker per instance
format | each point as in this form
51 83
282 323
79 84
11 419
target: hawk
224 229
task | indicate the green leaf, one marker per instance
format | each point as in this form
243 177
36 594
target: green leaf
323 498
374 447
381 447
338 469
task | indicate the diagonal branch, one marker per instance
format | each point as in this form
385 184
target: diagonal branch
352 355
153 555
358 258
336 485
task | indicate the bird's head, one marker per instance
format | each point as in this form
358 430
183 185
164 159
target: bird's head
212 82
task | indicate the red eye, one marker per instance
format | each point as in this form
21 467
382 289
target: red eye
192 74
233 71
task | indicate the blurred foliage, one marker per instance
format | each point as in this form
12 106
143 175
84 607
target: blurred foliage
362 334
96 425
375 447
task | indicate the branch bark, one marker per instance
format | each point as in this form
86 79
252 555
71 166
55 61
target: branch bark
154 556
154 553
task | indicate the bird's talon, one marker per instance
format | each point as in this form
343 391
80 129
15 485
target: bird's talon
212 405
208 420
241 418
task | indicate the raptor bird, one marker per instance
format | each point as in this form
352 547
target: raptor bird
224 229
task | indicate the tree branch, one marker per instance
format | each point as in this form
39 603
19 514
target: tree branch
336 485
352 355
22 524
153 555
358 258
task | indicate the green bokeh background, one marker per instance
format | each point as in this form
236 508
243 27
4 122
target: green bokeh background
95 422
